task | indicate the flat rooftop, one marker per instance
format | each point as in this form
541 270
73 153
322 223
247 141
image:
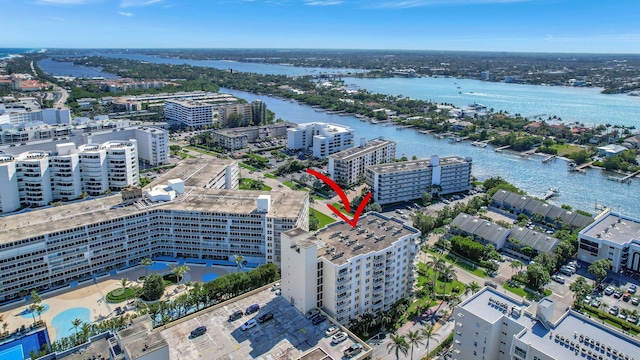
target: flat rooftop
486 304
373 233
410 165
354 152
614 228
284 204
195 172
290 335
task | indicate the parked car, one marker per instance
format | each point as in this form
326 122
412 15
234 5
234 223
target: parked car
200 330
622 316
235 316
491 284
339 337
278 292
617 294
265 317
275 287
635 300
353 350
587 299
557 278
596 303
318 319
249 324
614 310
251 309
632 289
331 330
609 290
626 297
632 319
312 313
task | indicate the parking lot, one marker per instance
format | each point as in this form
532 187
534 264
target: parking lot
289 334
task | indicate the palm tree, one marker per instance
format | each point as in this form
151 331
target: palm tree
429 334
124 282
516 265
179 271
146 262
472 288
399 345
76 323
39 309
414 338
239 259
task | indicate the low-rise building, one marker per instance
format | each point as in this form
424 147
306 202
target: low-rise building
538 210
190 112
237 138
615 237
348 166
408 180
492 325
323 139
482 231
349 271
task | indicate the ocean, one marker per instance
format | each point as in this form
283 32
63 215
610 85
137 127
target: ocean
7 53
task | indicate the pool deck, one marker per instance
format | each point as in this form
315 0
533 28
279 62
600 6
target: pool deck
91 296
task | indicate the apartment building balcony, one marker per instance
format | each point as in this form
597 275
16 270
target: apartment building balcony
343 281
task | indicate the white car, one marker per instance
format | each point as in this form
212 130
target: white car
331 330
249 324
275 287
339 337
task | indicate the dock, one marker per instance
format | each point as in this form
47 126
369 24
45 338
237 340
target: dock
584 166
624 180
502 148
528 152
548 158
551 193
628 177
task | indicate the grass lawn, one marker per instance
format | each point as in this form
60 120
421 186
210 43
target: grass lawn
425 302
426 275
323 218
247 184
248 167
341 208
566 149
295 186
184 155
481 272
120 295
270 176
170 279
317 197
516 290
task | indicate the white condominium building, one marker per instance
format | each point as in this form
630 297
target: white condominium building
407 180
153 143
40 177
492 326
324 139
49 248
349 271
347 166
614 237
189 112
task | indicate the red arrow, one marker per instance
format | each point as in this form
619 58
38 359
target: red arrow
343 197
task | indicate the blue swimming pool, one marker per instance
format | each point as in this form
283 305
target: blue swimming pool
62 322
19 349
157 266
209 276
26 313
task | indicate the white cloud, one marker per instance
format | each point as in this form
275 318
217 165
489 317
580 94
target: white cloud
322 2
127 14
138 3
421 3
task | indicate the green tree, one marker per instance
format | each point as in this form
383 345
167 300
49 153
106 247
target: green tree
239 259
146 262
179 272
399 345
580 289
599 269
414 338
426 198
124 282
76 323
429 334
537 276
153 287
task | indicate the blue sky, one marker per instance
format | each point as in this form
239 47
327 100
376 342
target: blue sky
591 26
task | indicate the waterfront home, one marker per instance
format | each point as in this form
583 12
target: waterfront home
610 150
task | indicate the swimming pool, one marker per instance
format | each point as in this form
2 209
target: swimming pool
62 322
209 276
26 313
19 349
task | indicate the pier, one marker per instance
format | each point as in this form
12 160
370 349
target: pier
528 152
548 158
624 180
502 148
551 193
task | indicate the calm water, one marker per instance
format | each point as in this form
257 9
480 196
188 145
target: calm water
57 68
67 68
530 174
584 105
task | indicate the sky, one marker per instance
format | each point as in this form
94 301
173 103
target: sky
582 26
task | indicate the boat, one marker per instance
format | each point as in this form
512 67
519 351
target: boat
479 144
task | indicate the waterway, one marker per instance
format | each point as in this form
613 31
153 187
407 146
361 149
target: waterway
58 68
581 191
